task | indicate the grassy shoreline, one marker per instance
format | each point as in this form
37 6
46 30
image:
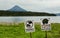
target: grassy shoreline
19 31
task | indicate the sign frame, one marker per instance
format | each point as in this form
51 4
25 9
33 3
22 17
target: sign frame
27 29
45 27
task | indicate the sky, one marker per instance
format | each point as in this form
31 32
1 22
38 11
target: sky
50 6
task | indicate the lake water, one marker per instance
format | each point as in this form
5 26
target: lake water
53 19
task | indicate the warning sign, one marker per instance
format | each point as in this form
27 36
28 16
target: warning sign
45 25
29 26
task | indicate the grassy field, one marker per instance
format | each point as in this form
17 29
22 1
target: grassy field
19 31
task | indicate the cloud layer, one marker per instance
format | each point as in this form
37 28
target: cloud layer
33 5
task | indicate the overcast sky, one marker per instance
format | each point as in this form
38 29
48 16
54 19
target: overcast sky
51 6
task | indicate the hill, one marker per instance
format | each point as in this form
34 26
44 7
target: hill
58 14
14 13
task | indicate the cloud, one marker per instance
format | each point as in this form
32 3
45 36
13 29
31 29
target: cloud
41 5
32 5
5 4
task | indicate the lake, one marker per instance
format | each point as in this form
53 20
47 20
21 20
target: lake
53 19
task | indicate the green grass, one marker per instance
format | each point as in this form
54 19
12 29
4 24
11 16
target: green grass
19 31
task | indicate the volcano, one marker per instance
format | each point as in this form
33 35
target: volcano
17 8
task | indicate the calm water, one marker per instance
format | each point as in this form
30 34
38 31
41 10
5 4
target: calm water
53 19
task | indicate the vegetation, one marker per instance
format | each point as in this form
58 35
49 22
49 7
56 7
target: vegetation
18 31
13 13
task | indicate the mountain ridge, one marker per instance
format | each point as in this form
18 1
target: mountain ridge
13 13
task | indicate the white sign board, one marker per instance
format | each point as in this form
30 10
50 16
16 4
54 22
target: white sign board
29 26
45 25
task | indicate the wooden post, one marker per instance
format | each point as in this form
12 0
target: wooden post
45 34
30 35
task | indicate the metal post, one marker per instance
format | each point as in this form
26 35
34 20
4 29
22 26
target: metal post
30 35
45 34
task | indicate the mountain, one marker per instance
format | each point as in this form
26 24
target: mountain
17 8
58 14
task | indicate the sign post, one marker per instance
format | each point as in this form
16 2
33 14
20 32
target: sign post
45 34
30 35
29 27
45 26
